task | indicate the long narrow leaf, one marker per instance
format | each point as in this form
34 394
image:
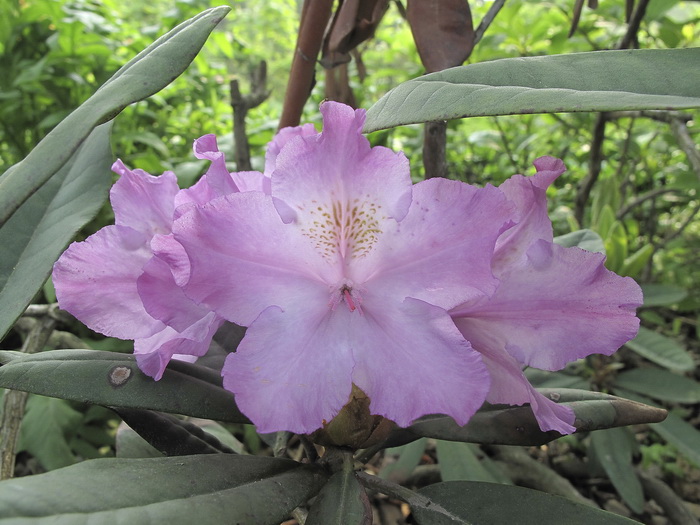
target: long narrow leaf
478 502
186 489
596 81
111 379
41 228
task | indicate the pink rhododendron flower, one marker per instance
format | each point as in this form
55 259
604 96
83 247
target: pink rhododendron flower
430 298
99 280
553 304
345 274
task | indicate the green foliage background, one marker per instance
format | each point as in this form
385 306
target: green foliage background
55 53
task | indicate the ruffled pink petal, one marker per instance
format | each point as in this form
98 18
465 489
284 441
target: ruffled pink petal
510 386
280 140
217 176
411 360
441 251
558 305
336 174
244 259
292 371
95 281
530 218
154 353
217 181
164 300
165 247
143 202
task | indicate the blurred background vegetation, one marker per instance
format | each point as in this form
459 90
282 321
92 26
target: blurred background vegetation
644 204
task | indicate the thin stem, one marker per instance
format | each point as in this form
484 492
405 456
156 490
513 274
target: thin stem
630 37
596 159
14 401
506 145
309 448
414 499
681 228
687 144
486 21
643 198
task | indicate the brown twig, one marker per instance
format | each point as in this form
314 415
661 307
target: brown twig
678 231
594 165
435 149
241 104
643 198
486 21
687 144
630 38
314 18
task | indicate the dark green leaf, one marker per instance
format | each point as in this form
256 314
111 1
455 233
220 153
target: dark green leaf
130 445
660 384
661 350
342 501
491 503
507 425
682 435
43 226
209 489
613 450
170 435
679 433
584 239
597 81
460 461
409 459
546 379
47 427
146 74
662 294
110 379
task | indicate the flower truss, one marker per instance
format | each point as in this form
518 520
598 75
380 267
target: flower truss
430 298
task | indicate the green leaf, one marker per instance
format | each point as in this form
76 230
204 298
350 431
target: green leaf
130 445
662 294
490 503
661 350
170 435
43 226
461 461
660 384
584 239
507 425
635 263
605 220
613 450
146 74
47 427
210 489
409 459
616 247
679 433
110 379
342 501
546 379
682 435
597 81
